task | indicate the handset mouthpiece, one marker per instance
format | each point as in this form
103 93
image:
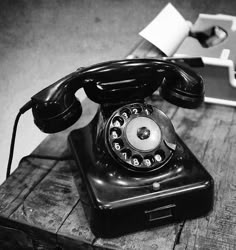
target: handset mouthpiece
56 108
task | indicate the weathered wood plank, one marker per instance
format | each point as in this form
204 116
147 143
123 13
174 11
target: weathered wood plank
211 132
21 183
29 173
151 239
75 230
48 205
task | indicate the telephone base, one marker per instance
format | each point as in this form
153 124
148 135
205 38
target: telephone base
119 201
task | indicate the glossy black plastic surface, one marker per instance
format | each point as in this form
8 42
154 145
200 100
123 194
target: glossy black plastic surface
56 107
123 201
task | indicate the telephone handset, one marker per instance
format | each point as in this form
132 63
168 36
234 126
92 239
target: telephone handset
56 107
136 170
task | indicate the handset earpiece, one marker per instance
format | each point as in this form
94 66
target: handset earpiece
138 78
182 87
129 80
55 108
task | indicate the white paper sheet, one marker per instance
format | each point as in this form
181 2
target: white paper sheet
167 31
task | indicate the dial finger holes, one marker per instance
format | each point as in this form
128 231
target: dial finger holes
118 144
148 110
125 113
126 153
136 109
136 160
159 155
148 161
115 133
117 121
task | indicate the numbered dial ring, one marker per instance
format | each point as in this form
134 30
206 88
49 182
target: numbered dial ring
141 137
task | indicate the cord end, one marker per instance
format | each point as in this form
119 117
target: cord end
26 107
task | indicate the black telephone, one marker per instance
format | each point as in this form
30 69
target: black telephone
136 170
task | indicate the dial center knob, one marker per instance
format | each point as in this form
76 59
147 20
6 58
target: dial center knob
143 133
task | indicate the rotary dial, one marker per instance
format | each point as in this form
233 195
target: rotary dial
140 136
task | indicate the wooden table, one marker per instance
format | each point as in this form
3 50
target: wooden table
40 206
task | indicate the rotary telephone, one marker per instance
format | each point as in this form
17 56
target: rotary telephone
136 171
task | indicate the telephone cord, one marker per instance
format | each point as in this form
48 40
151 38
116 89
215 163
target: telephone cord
22 110
34 156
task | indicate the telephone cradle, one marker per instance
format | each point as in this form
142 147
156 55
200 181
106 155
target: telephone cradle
136 171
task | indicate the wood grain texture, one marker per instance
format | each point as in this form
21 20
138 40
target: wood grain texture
215 146
75 230
21 183
48 205
152 239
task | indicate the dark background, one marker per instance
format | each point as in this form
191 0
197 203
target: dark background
41 41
